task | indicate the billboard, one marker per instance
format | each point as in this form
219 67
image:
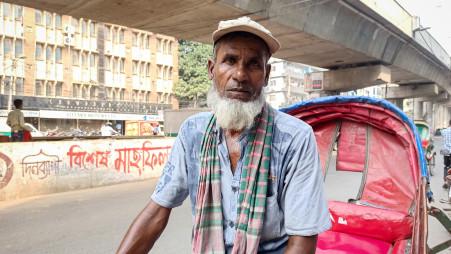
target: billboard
314 81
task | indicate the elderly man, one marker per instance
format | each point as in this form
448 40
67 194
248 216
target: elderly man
252 173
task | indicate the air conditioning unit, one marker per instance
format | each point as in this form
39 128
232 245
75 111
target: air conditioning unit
69 41
68 29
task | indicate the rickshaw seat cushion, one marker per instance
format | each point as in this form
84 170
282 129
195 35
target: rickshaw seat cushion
331 242
382 224
399 247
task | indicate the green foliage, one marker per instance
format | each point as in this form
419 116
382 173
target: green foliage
193 81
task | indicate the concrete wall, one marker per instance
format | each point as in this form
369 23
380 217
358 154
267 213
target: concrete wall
36 168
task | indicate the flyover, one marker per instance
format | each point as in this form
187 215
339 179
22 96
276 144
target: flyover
372 41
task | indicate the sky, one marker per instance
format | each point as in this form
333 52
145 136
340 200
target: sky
435 14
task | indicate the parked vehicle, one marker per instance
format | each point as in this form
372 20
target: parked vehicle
378 146
428 145
6 130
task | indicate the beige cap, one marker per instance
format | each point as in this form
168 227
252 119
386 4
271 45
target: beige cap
245 24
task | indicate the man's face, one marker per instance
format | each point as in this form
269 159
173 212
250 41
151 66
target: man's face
240 70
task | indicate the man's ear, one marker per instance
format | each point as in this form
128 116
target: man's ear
211 69
268 72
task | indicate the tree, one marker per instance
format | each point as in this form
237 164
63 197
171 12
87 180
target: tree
193 81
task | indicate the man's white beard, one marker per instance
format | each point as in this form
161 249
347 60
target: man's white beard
232 114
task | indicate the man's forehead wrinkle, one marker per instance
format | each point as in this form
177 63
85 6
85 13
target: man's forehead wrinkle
233 51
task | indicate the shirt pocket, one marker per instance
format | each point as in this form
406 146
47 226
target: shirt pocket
271 222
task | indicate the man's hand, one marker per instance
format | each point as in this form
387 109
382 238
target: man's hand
301 244
146 229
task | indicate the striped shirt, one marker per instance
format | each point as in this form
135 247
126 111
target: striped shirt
15 120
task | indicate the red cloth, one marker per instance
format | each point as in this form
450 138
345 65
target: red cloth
26 135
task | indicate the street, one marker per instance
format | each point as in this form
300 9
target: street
95 220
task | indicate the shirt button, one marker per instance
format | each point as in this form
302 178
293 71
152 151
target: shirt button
231 224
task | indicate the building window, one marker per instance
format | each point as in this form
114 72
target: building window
114 65
7 87
83 58
48 89
38 88
114 35
107 33
48 19
148 69
159 71
147 97
134 39
83 27
38 17
92 29
106 62
170 73
122 94
158 44
84 92
58 56
18 48
48 53
6 10
74 23
134 67
58 23
19 86
121 36
169 47
75 90
121 65
113 95
7 44
18 12
92 60
75 57
92 93
59 89
38 51
146 41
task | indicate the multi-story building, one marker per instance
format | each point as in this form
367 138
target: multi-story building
286 83
75 72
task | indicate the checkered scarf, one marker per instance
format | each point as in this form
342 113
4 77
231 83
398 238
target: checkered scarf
208 224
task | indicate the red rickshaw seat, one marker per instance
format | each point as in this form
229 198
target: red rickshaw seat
331 242
377 223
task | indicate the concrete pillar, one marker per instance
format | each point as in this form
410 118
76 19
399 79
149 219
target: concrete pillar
429 117
397 102
417 110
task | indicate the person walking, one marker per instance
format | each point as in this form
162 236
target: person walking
16 122
446 133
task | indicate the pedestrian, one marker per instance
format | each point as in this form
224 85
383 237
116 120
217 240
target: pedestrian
156 129
16 121
119 128
446 133
108 130
252 173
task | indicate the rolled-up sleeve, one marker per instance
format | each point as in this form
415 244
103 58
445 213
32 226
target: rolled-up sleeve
172 187
303 198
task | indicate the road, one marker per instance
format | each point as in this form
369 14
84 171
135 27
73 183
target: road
95 220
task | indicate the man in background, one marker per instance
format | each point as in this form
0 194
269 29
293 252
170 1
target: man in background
16 122
446 133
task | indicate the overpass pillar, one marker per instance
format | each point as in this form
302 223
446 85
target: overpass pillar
429 117
397 102
417 110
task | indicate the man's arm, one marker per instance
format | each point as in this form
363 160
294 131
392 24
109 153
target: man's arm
145 229
301 244
21 121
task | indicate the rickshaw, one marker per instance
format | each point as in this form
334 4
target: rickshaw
428 144
375 176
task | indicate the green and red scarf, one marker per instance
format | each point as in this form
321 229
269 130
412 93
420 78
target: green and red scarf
208 224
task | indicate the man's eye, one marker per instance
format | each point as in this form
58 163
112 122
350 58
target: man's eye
229 60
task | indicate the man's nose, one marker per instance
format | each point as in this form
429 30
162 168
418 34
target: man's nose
239 73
